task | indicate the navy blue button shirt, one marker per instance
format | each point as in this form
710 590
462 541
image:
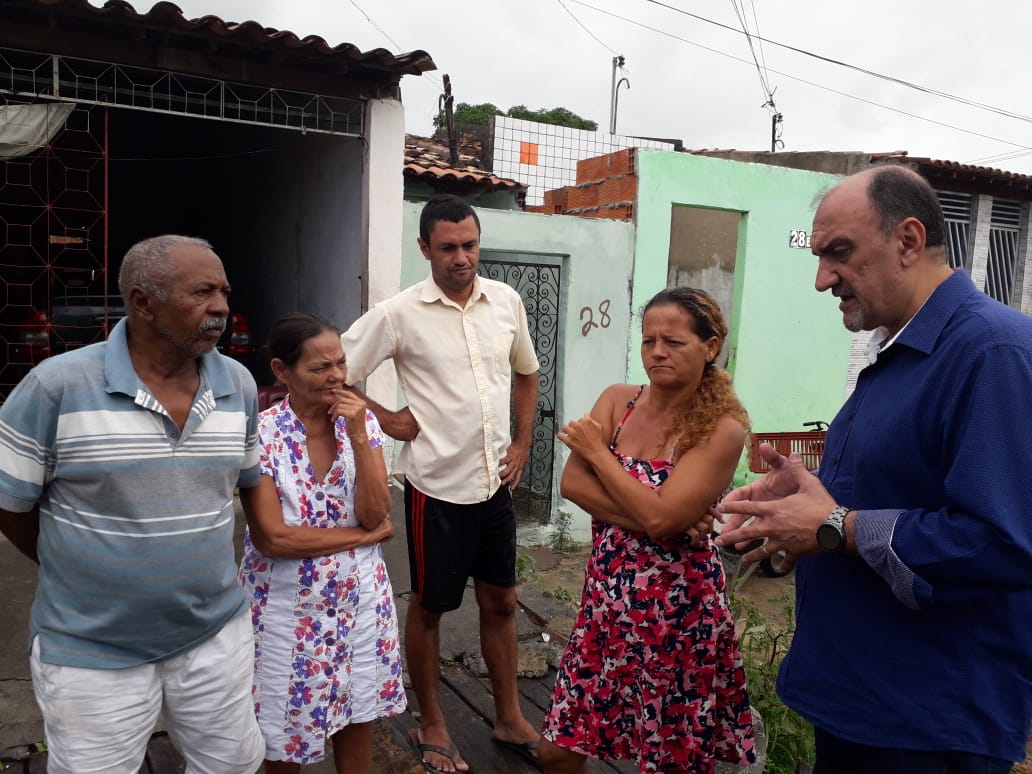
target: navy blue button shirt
926 641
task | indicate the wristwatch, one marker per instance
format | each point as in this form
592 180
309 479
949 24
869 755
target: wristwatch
831 535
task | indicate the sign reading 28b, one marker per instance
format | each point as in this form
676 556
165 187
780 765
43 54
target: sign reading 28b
799 238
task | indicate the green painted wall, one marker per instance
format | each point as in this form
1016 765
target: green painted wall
788 349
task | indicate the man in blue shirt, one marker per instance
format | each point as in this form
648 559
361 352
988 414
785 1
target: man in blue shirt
913 649
117 468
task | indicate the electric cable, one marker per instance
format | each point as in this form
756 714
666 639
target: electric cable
803 80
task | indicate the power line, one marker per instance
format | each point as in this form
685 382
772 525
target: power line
800 80
768 97
393 42
592 34
829 60
997 158
776 118
756 26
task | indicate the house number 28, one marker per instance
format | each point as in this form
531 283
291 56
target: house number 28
603 317
799 238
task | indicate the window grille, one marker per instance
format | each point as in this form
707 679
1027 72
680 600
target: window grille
1003 249
956 208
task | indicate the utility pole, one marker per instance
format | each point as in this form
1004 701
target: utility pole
444 106
775 136
618 63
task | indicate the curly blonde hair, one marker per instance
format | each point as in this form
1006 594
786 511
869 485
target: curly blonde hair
696 419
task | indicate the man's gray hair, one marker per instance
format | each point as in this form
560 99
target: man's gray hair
147 266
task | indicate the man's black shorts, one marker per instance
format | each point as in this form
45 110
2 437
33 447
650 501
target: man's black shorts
449 543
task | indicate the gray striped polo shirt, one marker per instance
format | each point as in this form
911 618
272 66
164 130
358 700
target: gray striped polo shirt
136 518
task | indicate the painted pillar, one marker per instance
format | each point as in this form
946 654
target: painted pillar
382 204
978 239
1021 297
384 189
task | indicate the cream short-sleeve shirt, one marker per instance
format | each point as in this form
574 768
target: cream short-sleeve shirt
455 367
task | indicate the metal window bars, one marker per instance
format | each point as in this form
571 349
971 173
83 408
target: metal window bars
31 75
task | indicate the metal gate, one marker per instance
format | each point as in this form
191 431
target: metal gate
53 217
538 284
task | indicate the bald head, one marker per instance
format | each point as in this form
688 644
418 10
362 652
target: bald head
879 238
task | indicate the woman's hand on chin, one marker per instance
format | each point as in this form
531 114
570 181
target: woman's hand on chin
348 405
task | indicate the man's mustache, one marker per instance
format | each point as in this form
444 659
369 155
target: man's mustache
214 323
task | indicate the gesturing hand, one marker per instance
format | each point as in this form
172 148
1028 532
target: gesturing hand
780 481
785 507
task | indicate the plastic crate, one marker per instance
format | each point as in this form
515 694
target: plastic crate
810 444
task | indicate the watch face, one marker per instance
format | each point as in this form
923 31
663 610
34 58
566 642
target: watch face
829 538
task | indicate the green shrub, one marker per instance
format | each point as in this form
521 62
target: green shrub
564 595
526 568
764 643
561 540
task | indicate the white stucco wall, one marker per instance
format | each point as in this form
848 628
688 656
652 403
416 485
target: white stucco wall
384 185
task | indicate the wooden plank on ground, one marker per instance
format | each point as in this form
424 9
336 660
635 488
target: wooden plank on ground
534 698
469 727
538 690
469 731
474 690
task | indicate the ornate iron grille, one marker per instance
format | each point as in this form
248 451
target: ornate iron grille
32 75
53 214
538 285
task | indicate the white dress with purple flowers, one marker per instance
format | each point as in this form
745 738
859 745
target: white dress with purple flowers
326 633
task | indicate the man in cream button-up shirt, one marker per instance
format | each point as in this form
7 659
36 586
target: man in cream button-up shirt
456 339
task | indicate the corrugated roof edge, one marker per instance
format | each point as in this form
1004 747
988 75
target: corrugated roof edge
486 179
169 15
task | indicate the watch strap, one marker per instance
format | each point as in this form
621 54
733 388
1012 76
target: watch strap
836 520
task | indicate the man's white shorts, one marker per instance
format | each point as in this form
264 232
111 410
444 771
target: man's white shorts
98 721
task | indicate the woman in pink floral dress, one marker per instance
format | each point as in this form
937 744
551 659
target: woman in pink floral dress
652 671
327 661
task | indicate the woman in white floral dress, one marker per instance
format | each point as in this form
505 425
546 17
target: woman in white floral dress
327 659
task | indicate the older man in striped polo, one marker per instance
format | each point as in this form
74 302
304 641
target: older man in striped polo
117 468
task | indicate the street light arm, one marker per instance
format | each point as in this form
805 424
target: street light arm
616 101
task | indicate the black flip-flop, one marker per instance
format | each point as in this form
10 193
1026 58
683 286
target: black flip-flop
526 750
450 752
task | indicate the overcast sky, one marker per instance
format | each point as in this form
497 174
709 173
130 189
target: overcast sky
697 82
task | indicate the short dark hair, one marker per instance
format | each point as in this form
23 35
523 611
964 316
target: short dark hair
444 207
290 332
896 192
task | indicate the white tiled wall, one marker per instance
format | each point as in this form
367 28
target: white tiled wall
559 150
